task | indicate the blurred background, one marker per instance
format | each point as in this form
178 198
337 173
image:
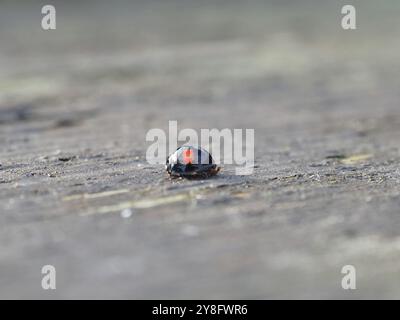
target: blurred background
75 106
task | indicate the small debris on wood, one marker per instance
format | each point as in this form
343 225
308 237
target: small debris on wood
126 213
65 123
66 158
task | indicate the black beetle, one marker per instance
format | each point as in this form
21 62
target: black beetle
191 162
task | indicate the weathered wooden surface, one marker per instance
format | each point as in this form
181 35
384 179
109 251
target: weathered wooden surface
76 103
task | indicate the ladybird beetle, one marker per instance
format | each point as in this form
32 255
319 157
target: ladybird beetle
191 162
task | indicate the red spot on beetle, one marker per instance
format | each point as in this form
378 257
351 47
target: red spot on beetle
188 156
